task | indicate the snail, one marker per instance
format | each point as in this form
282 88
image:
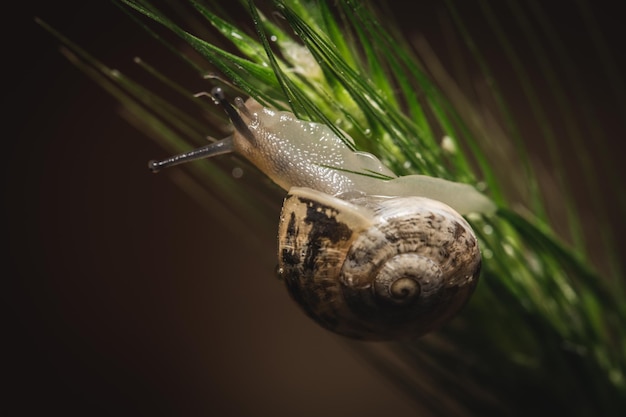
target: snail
365 253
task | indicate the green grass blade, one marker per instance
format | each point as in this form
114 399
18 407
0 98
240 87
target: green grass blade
535 196
538 111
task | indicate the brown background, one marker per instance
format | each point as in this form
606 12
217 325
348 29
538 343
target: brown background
124 296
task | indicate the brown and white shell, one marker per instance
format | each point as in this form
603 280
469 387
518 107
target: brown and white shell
373 267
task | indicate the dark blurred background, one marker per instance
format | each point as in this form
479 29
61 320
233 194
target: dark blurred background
126 297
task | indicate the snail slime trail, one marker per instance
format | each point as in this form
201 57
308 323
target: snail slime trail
367 258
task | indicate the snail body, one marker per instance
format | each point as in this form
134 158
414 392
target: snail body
372 257
298 153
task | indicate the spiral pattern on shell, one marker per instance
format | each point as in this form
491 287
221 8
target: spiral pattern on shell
376 267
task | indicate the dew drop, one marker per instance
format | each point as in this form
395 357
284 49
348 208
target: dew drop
448 145
237 172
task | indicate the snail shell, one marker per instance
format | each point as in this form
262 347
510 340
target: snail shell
365 253
373 267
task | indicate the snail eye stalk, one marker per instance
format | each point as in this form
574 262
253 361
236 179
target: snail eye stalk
213 149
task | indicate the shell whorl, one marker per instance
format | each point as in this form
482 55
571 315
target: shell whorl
376 267
405 277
